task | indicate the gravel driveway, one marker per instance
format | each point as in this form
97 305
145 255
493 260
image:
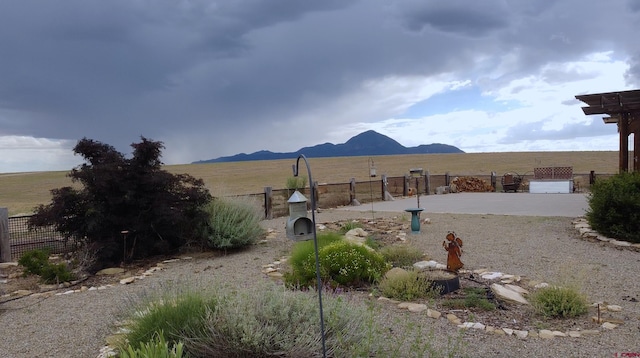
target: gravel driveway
536 247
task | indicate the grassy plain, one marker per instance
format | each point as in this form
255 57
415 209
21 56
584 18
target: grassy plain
21 192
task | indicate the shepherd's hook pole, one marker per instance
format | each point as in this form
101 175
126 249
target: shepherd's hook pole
315 244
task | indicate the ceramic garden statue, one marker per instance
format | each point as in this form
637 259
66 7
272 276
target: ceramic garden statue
453 245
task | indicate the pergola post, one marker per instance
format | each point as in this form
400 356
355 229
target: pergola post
623 128
634 127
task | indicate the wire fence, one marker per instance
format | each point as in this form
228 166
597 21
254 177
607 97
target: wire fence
22 238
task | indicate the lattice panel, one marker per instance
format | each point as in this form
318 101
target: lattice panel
553 173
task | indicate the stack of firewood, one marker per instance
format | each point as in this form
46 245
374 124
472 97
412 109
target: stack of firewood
469 184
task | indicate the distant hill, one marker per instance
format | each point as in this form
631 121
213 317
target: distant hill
366 143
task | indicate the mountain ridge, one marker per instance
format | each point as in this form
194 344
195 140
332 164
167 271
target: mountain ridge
363 144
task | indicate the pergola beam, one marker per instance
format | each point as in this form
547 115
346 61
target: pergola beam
623 108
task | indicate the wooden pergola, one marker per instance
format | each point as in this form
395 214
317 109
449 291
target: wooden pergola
622 108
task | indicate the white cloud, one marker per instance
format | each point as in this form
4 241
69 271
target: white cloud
22 154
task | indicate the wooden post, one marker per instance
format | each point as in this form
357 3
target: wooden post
316 192
5 245
384 187
268 203
623 127
494 180
352 193
405 185
427 183
592 177
447 179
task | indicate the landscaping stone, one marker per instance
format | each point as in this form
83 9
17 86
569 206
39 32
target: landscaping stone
508 294
433 313
110 271
128 280
521 334
614 308
546 334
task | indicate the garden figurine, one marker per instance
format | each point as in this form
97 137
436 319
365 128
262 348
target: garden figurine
453 245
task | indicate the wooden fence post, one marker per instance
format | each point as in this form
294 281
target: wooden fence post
592 177
405 185
427 183
447 179
5 245
268 203
494 181
316 193
352 193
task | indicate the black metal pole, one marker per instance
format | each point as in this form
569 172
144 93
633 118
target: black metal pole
315 244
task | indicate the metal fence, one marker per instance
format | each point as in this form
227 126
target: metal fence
22 238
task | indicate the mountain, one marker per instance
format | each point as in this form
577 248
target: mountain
364 144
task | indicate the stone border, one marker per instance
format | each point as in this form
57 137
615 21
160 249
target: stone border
587 233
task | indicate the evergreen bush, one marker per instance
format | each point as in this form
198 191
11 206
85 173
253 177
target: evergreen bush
33 261
36 262
614 207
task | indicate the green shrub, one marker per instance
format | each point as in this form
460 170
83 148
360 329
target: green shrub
33 261
401 255
407 286
158 347
350 264
614 207
341 262
559 302
36 262
303 255
259 322
56 273
233 223
171 316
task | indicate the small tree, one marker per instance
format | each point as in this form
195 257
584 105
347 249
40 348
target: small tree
158 210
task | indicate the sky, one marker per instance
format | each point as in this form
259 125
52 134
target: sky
218 78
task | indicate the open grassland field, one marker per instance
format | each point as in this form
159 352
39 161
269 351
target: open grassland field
21 192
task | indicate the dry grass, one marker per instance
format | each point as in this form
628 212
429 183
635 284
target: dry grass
23 191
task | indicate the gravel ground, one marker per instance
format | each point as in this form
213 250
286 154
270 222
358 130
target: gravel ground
538 248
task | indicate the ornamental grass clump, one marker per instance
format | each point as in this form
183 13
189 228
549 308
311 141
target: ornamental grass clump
171 315
407 286
559 302
401 255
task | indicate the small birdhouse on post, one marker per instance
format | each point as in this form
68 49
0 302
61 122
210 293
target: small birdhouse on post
299 226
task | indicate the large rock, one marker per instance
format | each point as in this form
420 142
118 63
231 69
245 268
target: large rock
508 294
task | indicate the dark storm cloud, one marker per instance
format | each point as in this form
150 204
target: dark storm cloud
457 17
215 78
